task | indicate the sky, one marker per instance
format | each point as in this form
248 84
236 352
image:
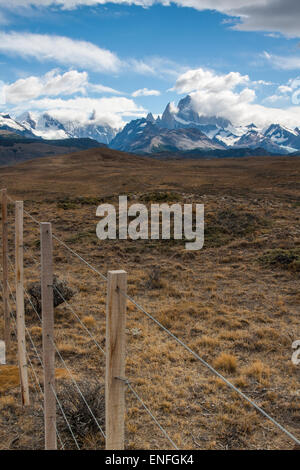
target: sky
116 61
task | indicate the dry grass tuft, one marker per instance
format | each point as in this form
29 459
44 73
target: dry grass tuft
9 378
89 321
226 362
258 370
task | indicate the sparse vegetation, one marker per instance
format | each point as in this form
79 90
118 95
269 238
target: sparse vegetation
226 362
80 419
231 302
282 259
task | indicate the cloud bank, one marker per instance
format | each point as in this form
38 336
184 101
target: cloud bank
52 83
60 49
145 92
230 96
252 15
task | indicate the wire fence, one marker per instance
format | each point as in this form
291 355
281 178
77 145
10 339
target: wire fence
35 354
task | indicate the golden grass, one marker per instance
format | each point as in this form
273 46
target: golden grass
9 378
226 362
235 312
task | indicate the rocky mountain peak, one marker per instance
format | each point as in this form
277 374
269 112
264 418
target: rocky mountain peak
150 118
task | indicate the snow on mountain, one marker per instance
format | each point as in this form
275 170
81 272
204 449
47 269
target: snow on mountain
214 132
286 138
146 136
49 127
180 128
10 125
184 115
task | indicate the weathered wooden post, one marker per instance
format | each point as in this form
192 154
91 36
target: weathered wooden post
20 303
2 353
5 271
115 360
48 337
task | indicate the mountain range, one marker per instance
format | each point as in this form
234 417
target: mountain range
182 129
179 129
49 127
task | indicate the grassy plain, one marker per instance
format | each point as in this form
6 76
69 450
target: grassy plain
235 302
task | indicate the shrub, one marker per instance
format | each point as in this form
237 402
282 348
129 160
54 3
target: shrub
226 362
282 258
34 291
78 415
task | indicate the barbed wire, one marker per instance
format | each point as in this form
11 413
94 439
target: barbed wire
79 257
211 368
77 387
41 362
56 397
179 341
33 370
64 416
127 382
70 308
79 319
87 330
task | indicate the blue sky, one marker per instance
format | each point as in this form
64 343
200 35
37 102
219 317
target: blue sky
238 59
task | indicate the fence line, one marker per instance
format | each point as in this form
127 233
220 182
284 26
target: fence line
66 367
5 270
130 387
31 365
116 442
78 389
68 370
126 381
214 371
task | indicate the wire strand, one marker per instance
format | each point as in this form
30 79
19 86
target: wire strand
65 417
77 387
79 257
36 378
180 342
79 319
69 307
67 247
214 371
148 411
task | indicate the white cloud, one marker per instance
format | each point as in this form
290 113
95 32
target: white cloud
52 84
145 92
48 94
59 49
283 62
285 89
82 54
254 15
107 111
206 80
277 99
217 95
98 88
157 66
262 82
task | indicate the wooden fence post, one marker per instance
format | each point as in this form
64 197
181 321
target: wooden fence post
20 303
115 360
5 271
48 337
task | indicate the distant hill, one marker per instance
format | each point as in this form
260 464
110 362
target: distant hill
216 153
15 148
101 173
